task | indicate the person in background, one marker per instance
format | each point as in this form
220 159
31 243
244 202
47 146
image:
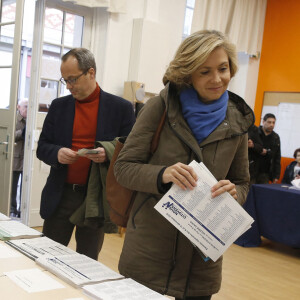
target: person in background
255 148
18 157
73 122
269 159
204 122
292 171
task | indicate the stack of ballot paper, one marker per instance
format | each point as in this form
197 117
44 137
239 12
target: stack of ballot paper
211 224
125 289
40 246
15 230
77 269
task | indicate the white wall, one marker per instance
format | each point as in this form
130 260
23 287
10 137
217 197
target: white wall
238 82
251 81
141 43
142 53
118 44
245 81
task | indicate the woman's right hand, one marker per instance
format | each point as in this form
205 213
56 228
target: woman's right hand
182 175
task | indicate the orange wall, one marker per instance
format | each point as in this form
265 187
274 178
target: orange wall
279 69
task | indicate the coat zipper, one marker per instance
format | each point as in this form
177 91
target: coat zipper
185 142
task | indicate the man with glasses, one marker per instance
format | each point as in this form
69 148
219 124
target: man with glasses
74 122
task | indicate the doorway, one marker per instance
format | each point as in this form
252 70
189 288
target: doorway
59 26
11 14
31 68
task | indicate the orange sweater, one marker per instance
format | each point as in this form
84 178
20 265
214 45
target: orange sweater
84 135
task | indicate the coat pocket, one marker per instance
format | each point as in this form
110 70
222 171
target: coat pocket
142 206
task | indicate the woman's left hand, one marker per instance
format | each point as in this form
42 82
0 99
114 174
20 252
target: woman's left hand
224 186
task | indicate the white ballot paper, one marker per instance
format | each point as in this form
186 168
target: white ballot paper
34 248
125 289
295 184
84 151
15 230
77 269
211 224
33 280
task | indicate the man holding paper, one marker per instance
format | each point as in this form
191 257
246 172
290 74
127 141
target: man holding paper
204 122
74 122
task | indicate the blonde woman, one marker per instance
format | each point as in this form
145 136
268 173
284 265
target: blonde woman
204 122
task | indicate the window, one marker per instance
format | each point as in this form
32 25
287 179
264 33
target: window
7 27
189 10
62 31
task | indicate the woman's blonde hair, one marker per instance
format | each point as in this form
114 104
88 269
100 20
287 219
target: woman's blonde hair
194 51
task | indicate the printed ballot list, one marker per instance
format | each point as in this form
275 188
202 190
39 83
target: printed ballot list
211 224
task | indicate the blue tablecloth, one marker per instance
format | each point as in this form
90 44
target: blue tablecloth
276 213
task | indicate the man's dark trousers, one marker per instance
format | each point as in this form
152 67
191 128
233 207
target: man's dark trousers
58 227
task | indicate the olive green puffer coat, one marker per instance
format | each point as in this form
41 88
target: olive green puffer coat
155 253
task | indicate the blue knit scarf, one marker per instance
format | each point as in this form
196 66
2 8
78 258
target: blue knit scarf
203 118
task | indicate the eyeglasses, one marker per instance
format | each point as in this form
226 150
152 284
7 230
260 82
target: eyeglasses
71 81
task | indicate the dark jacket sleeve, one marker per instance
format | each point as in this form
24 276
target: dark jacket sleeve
254 136
258 147
285 178
289 173
277 159
116 117
128 120
47 148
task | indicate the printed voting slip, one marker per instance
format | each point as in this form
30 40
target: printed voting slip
33 280
84 151
40 246
124 289
15 230
211 224
77 269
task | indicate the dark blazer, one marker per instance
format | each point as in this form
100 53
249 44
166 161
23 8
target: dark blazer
115 118
254 153
288 176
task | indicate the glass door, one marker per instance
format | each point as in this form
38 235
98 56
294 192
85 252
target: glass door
59 27
11 13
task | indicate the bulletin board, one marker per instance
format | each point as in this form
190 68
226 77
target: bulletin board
286 108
